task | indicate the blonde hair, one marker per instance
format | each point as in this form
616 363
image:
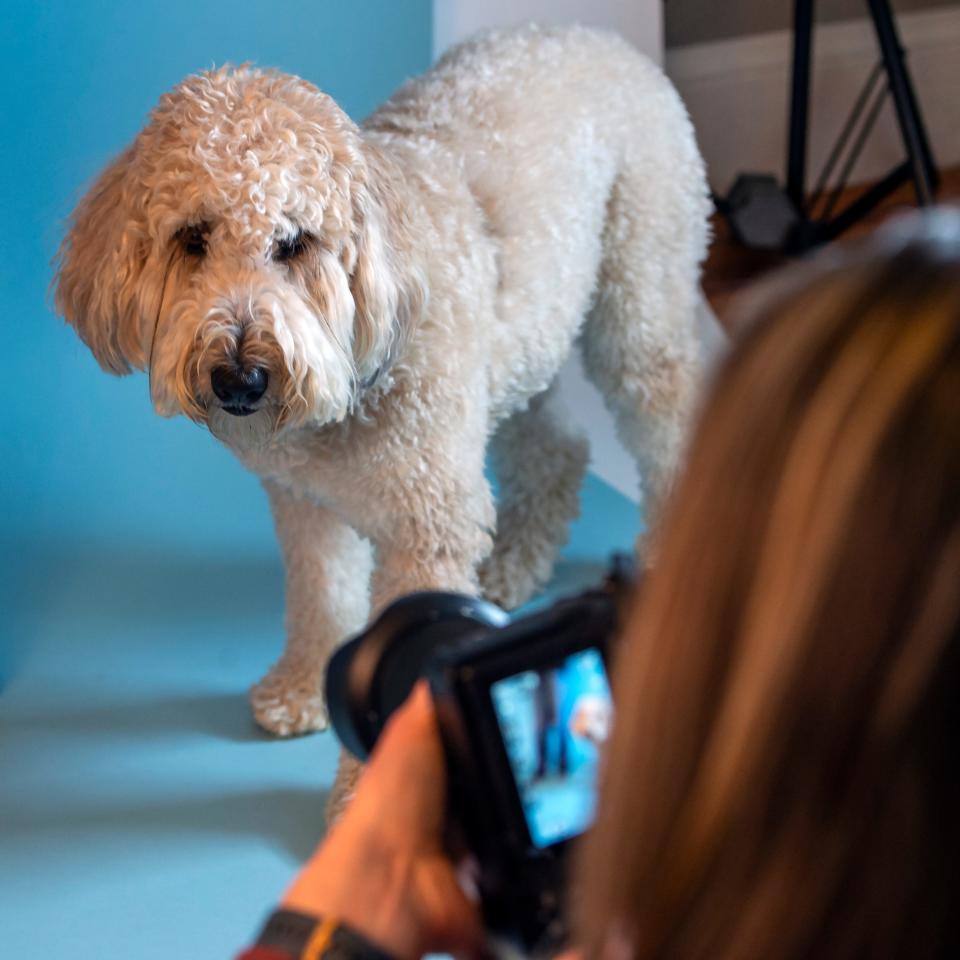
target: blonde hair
778 780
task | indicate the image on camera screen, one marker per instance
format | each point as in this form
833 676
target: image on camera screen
554 722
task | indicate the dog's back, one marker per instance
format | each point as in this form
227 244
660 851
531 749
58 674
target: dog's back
551 128
507 93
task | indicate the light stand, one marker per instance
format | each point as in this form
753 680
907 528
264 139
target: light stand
764 215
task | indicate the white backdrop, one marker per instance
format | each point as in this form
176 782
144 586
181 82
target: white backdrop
641 22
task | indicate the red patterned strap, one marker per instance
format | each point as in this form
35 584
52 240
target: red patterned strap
264 953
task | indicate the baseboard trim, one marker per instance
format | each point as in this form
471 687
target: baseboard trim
737 92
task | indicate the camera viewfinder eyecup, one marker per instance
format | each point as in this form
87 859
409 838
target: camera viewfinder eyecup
371 675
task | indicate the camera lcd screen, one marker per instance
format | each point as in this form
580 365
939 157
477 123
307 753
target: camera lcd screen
553 723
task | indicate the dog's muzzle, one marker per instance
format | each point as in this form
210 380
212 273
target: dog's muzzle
238 389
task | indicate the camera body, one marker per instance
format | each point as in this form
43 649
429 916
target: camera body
523 706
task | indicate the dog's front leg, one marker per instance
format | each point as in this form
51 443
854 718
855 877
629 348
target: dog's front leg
425 544
439 549
328 580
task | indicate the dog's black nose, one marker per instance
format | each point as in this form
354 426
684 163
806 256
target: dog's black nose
238 389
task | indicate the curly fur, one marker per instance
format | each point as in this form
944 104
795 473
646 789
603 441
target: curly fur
535 187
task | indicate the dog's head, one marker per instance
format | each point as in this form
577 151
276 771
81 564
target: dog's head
247 251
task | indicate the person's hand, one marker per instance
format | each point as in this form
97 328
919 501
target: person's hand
382 868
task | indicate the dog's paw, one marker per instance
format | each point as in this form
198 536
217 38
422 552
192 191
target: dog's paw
515 570
289 701
507 594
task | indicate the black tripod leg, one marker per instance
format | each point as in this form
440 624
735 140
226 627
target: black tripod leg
799 102
924 170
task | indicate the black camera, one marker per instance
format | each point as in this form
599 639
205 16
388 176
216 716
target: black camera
523 707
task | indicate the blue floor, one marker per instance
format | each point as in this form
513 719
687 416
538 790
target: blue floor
142 814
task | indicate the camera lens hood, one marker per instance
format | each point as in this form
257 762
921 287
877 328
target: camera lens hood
372 674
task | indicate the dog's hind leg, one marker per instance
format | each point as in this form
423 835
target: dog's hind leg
640 344
540 463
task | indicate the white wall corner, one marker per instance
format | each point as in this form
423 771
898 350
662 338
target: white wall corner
640 21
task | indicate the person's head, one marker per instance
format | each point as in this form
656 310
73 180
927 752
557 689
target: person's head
780 779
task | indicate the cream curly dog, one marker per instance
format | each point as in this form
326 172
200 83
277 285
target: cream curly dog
358 311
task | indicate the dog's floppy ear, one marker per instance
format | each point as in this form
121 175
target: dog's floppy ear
386 286
99 266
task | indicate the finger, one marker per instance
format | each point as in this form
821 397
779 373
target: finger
457 924
404 787
410 745
415 720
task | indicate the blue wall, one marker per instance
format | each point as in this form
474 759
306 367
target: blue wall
81 454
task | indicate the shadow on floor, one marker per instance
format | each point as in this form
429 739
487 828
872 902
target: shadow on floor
291 820
129 581
127 591
221 716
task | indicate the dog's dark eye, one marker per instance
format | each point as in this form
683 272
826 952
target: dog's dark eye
193 240
289 248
